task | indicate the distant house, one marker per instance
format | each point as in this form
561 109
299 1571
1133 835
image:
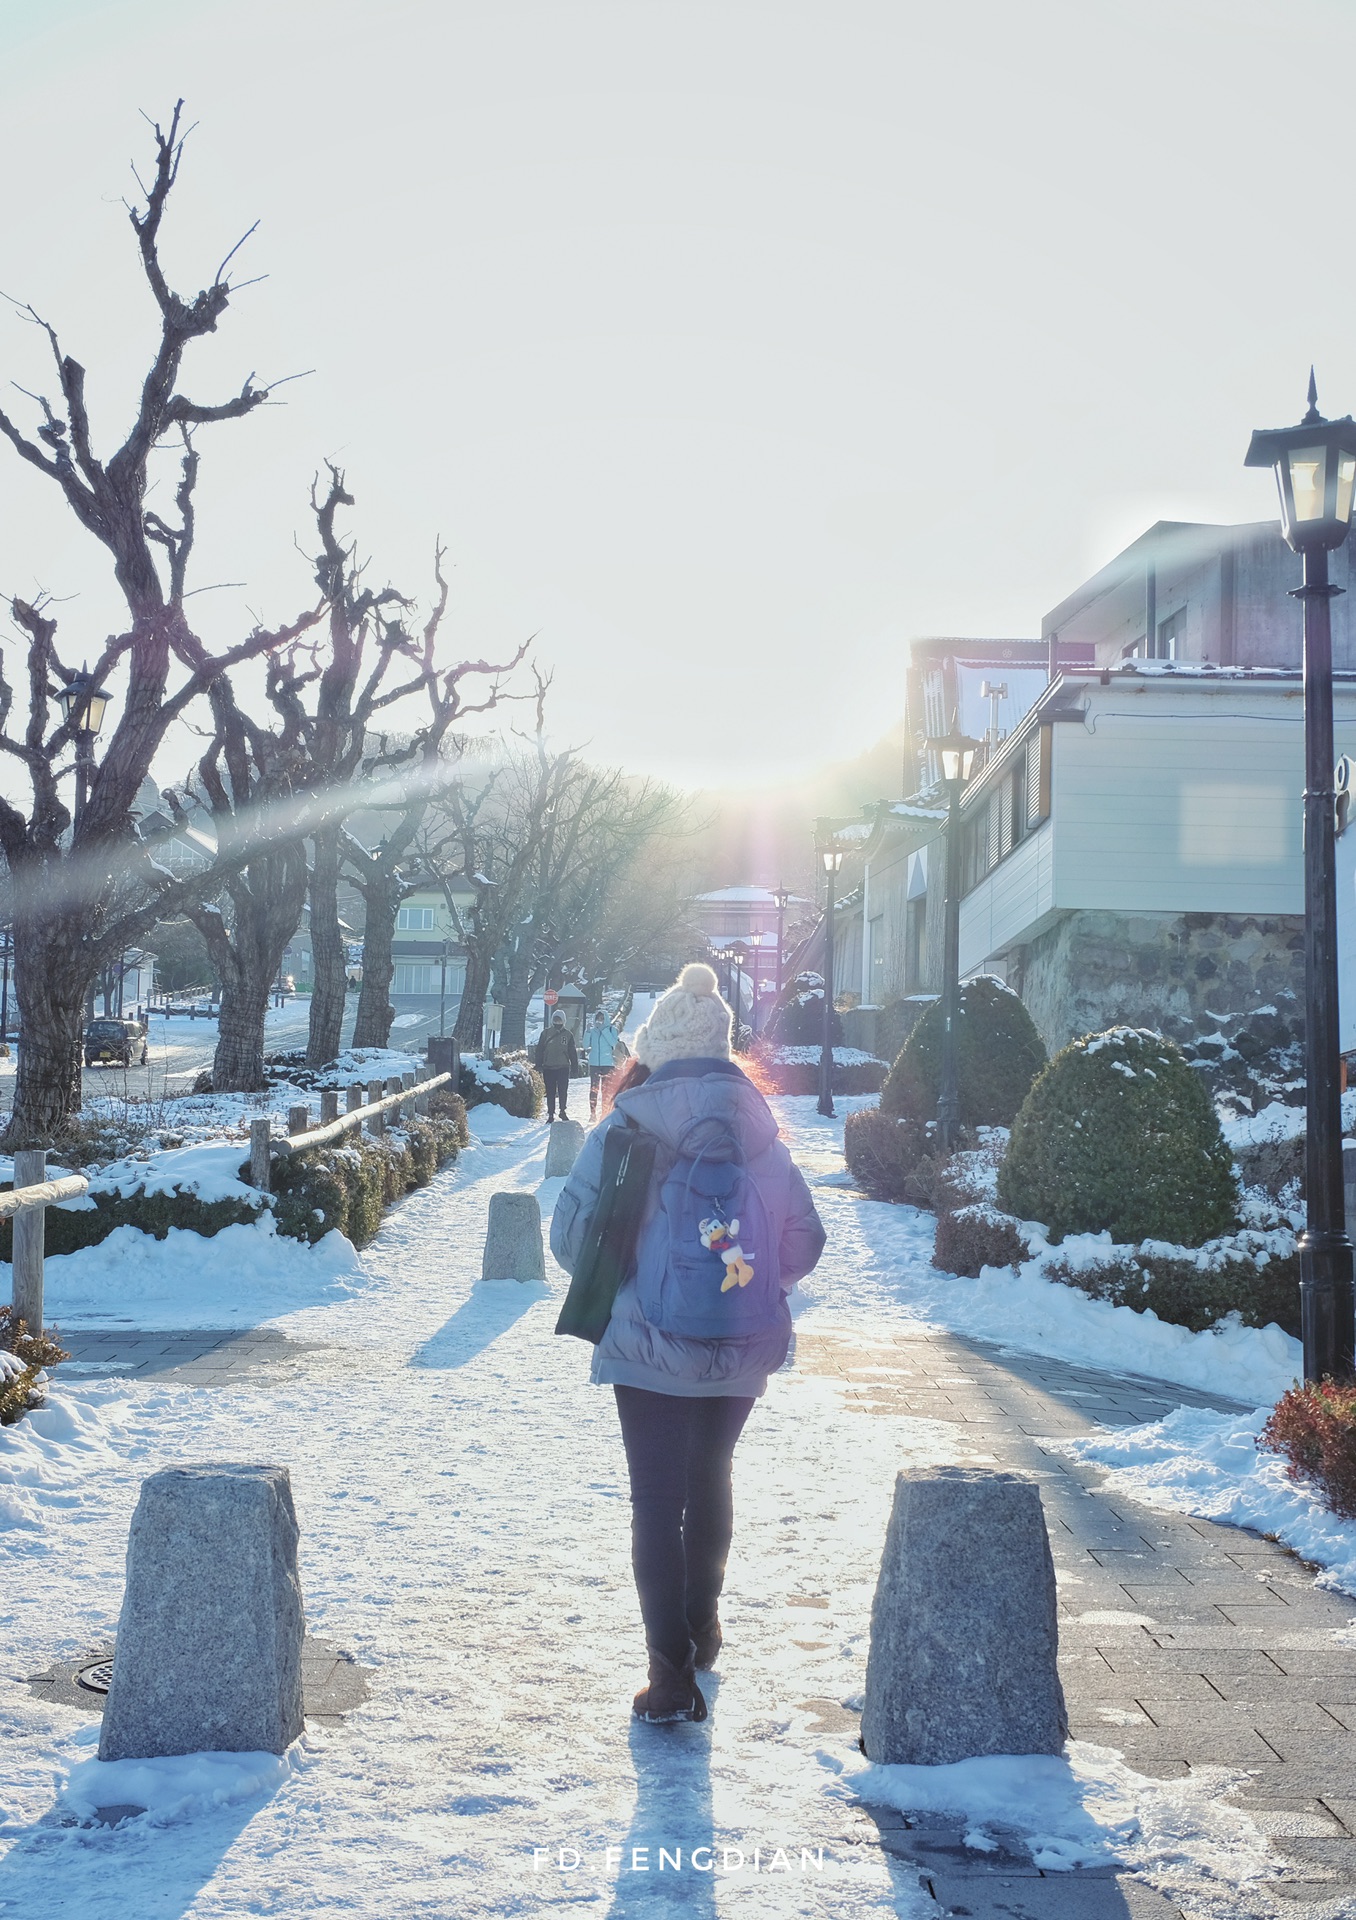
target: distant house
1131 844
429 957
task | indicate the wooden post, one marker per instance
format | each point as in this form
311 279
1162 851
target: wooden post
298 1120
357 1096
261 1133
329 1106
377 1124
30 1170
393 1085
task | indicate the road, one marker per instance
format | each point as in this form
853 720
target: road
180 1048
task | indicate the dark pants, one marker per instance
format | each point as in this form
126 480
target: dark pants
679 1453
557 1088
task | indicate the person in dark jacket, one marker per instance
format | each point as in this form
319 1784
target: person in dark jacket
683 1401
557 1058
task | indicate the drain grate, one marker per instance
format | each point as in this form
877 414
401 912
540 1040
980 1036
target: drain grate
97 1678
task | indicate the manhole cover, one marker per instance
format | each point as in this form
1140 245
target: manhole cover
97 1678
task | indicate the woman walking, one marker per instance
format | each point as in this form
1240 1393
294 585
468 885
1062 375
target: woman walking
726 1228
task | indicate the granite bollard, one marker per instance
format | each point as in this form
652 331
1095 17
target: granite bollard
563 1142
964 1630
208 1654
513 1249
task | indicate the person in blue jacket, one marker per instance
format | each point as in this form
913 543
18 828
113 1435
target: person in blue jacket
601 1055
683 1401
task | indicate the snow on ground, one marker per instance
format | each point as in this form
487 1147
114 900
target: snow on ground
462 1497
1198 1462
887 1251
244 1276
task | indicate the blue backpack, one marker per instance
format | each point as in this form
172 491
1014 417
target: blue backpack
721 1278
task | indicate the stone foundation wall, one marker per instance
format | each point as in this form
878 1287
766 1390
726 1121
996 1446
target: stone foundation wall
1185 974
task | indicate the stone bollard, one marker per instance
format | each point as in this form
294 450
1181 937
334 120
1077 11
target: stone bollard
563 1142
964 1631
208 1655
298 1121
376 1091
513 1249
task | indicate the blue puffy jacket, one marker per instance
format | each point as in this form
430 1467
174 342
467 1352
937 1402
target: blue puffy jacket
633 1353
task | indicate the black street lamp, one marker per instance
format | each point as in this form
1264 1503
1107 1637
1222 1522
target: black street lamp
1315 466
781 895
83 706
956 752
831 855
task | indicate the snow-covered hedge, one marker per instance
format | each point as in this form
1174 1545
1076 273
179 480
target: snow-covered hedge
24 1360
796 1069
797 1020
1119 1134
1314 1429
507 1080
998 1055
348 1187
890 1158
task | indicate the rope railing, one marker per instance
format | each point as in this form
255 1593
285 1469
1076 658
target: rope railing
383 1097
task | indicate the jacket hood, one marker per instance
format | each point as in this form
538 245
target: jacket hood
674 1108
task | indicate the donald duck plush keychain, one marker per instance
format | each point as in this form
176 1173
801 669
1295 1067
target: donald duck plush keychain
722 1237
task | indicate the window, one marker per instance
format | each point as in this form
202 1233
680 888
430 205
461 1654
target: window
1165 644
915 929
414 920
1009 812
415 980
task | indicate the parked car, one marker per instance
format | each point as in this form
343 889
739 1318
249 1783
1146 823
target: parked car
111 1042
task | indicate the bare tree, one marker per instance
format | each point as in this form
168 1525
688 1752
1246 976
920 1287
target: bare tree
84 889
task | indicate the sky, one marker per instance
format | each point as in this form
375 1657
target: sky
727 347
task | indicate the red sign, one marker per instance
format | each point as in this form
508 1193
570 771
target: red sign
550 996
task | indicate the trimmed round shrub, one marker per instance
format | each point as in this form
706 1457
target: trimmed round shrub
887 1156
1118 1135
797 1020
978 1236
998 1055
508 1080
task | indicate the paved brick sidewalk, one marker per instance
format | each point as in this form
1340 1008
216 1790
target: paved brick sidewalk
200 1356
1182 1644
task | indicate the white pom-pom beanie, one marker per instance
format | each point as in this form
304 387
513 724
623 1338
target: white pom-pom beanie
689 1022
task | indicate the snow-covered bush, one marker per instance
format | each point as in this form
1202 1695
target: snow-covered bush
67 1229
1194 1287
797 1020
998 1055
796 1069
889 1157
348 1187
1314 1429
1118 1134
24 1360
974 1237
507 1080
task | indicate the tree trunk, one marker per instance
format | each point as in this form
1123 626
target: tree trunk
513 1032
238 1064
470 1027
327 948
51 981
266 901
381 896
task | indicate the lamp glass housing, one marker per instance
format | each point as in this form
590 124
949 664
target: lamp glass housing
83 706
1315 468
957 762
832 858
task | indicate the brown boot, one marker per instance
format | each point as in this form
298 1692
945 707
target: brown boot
708 1641
672 1694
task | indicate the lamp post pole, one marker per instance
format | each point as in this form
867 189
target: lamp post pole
948 1087
1325 1252
1315 467
826 1041
736 962
781 896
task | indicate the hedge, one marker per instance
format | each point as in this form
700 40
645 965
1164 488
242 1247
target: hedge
349 1186
1314 1429
977 1236
891 1158
1239 1279
998 1055
779 1074
797 1019
520 1090
1118 1135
